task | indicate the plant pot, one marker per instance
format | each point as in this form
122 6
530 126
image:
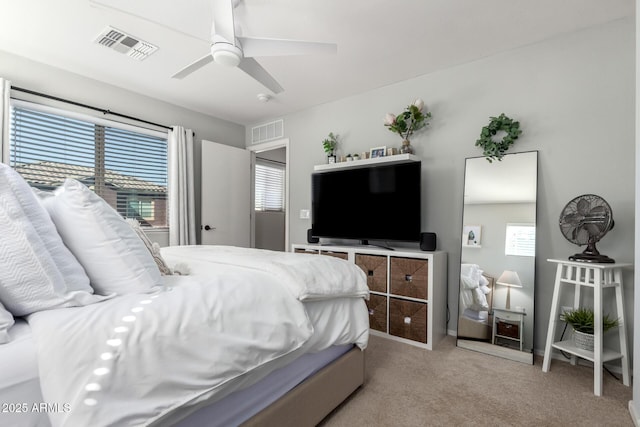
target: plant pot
331 158
582 340
406 148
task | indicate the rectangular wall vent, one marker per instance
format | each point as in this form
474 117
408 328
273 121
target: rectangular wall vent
267 132
125 43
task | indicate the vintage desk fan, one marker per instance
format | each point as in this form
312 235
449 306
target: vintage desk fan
584 221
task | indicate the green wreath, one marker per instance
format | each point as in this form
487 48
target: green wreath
494 150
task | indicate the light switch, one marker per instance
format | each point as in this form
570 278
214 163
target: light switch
304 213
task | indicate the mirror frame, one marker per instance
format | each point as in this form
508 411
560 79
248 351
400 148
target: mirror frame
522 308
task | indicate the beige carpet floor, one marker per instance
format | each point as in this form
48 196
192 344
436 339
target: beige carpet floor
451 386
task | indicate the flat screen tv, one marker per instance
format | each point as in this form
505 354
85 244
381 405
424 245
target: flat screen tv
376 202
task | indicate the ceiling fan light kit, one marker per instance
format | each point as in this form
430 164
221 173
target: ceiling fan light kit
227 48
226 54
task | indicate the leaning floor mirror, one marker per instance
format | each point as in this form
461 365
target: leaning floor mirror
497 262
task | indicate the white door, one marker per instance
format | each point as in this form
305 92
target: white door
226 195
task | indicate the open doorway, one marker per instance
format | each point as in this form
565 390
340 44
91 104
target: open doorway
270 196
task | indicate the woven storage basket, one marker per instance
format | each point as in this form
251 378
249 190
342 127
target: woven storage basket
582 340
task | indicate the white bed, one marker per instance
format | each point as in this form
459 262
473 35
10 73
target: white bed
102 338
476 296
337 324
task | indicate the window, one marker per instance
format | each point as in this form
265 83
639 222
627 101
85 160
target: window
520 240
269 186
125 165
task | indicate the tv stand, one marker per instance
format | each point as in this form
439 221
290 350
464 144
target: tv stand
408 290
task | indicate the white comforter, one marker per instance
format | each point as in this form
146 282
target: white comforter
133 359
308 277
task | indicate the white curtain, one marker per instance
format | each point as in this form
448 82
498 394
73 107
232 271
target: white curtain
5 88
182 216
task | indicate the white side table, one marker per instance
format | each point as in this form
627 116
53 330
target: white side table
509 317
597 277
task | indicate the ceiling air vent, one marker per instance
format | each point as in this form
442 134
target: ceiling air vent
125 43
267 132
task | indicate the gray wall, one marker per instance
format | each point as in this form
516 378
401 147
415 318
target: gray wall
634 405
270 231
35 76
574 97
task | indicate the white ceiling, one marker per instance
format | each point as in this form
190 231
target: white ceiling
380 42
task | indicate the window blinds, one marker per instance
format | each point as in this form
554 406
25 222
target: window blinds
127 169
520 240
269 186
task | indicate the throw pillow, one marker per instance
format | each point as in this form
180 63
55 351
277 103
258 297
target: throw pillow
153 247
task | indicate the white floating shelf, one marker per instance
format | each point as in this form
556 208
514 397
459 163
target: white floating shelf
386 160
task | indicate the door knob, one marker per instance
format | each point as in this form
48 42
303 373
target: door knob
207 227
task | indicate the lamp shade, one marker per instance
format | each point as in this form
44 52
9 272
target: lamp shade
509 278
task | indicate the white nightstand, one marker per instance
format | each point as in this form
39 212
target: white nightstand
508 324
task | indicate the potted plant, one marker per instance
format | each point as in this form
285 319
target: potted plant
329 145
349 158
581 319
406 123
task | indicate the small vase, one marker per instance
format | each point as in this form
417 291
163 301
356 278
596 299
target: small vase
406 148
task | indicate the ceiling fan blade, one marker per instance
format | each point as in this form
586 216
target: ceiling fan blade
255 70
193 67
223 23
277 47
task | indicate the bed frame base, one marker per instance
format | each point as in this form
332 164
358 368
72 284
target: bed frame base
312 400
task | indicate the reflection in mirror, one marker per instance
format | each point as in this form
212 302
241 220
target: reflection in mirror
497 271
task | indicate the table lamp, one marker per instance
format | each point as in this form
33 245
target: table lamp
509 279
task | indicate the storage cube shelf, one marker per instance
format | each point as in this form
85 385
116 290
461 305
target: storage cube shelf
377 306
375 267
408 290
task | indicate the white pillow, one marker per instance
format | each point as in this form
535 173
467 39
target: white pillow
37 271
471 271
483 281
479 300
110 251
6 321
467 283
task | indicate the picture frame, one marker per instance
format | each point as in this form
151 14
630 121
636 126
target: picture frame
377 152
471 236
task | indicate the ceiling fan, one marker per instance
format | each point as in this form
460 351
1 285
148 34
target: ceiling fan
230 49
